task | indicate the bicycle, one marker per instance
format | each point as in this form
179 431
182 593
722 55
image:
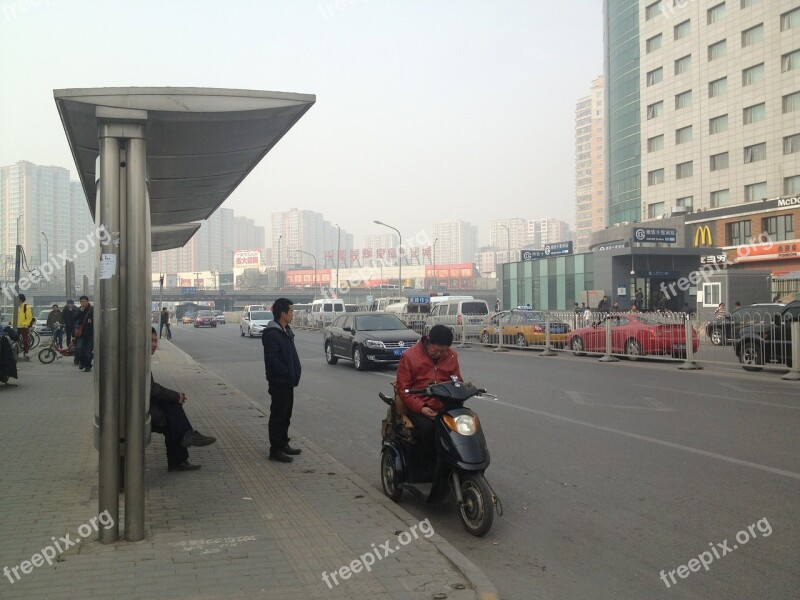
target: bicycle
53 351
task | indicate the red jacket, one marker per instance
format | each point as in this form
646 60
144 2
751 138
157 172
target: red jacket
417 369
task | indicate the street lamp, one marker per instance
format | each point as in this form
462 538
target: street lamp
18 218
399 253
508 241
315 269
278 272
435 278
338 252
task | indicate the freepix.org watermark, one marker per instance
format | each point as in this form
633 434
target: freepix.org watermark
57 262
62 544
718 550
366 560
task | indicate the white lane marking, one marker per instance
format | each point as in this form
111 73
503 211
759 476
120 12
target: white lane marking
653 404
705 395
645 438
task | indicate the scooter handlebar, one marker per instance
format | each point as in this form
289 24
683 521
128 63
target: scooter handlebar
416 391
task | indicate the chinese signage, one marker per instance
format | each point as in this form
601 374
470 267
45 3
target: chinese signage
768 251
247 258
714 259
558 249
655 234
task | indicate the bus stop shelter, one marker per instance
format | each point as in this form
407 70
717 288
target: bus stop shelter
152 162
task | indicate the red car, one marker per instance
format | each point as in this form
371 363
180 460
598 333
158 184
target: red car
634 335
205 318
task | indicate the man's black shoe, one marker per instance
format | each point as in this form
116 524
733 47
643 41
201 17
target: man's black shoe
287 449
195 438
280 456
89 370
185 466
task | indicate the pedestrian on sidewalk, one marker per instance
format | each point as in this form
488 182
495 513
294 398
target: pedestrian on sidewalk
70 318
168 417
24 320
165 323
85 334
282 367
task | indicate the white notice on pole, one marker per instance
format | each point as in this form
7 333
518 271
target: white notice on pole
108 266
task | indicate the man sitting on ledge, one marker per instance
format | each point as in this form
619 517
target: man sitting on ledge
167 417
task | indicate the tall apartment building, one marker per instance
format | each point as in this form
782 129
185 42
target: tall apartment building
383 242
546 231
46 213
247 235
307 231
457 242
210 249
508 236
702 102
590 199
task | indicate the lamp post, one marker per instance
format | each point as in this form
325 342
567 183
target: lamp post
278 272
435 277
338 252
47 246
315 269
508 241
399 254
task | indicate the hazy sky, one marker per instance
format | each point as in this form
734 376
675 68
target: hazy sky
426 110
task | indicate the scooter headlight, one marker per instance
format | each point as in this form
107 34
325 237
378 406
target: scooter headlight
463 424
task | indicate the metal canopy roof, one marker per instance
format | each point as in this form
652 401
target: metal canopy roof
166 237
201 143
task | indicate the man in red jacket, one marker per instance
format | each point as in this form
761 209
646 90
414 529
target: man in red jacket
430 360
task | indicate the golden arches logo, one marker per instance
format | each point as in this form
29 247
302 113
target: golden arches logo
702 236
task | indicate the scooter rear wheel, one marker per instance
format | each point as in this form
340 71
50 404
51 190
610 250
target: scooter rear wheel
477 511
389 476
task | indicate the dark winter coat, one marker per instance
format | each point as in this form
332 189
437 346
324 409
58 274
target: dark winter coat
281 362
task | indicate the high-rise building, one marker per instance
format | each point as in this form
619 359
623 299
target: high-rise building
47 214
546 231
507 236
247 235
308 231
210 249
457 242
703 104
590 205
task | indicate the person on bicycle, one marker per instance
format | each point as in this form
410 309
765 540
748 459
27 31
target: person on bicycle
24 319
53 319
430 360
69 317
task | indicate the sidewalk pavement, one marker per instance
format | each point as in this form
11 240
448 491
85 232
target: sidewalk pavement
240 527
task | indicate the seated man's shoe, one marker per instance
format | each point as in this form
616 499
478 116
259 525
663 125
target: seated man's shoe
279 455
195 438
287 449
185 466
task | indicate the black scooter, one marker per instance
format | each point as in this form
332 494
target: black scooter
8 362
461 457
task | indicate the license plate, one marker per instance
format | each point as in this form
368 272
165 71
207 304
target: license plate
399 351
680 346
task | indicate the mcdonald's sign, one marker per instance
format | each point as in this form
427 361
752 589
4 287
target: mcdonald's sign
702 236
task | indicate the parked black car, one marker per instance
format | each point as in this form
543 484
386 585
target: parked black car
367 338
768 341
727 330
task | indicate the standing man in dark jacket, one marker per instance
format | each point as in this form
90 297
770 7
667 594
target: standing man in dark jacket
283 375
85 350
69 317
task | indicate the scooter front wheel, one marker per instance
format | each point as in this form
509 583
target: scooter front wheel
389 476
47 355
477 510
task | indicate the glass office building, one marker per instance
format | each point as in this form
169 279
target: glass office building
547 284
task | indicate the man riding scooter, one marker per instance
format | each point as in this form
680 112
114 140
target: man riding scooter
430 360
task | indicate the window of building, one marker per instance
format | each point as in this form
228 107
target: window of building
712 292
755 191
718 124
790 20
753 74
683 29
753 35
655 210
655 110
654 43
684 170
738 233
755 153
655 177
684 64
719 161
791 185
791 102
655 143
753 114
720 198
686 201
718 87
655 76
683 100
683 135
651 11
717 50
716 13
790 61
780 229
791 144
749 3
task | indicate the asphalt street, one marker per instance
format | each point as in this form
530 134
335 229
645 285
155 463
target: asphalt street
609 473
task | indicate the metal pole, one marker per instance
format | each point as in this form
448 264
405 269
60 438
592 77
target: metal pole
17 266
138 333
500 347
338 252
608 356
794 372
106 365
435 278
548 349
689 364
399 254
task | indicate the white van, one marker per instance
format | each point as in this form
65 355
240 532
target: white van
459 313
384 303
323 312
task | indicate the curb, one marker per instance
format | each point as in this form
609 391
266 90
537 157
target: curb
483 587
